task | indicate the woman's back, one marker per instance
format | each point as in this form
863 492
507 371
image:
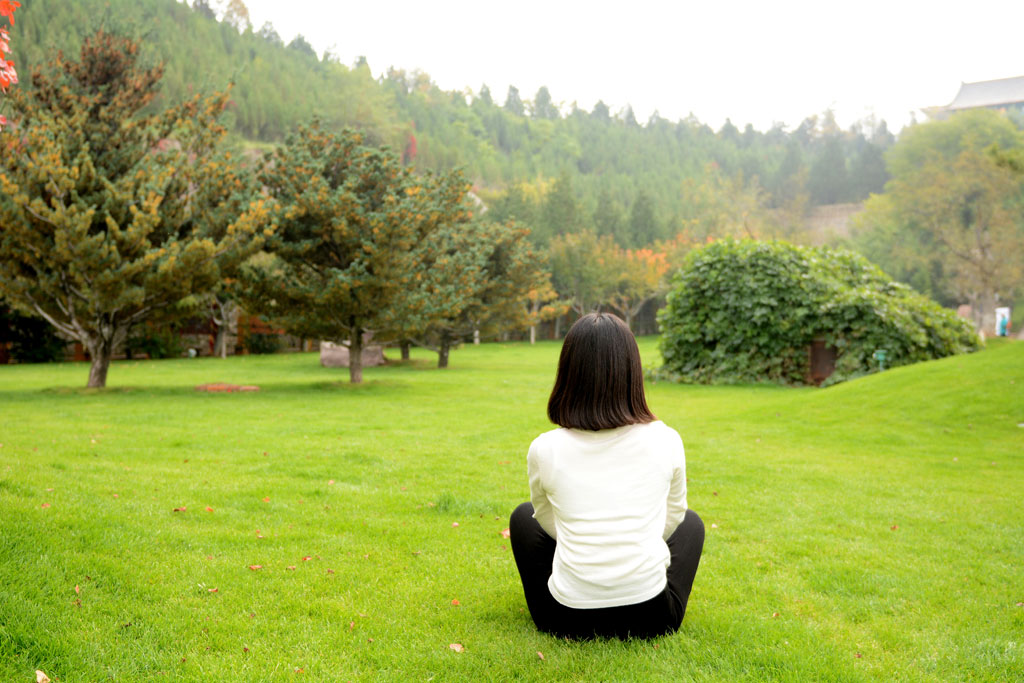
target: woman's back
610 498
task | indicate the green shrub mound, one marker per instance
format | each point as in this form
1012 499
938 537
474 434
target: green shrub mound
745 311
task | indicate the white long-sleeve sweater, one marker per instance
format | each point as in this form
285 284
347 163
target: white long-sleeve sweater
610 499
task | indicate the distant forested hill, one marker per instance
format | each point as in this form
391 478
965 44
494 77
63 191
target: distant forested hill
558 169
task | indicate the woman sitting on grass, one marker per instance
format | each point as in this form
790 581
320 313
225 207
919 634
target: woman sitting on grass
607 546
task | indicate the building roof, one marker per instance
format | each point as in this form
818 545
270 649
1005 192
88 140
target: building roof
988 93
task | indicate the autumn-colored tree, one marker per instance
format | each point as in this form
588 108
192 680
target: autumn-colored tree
8 75
350 218
584 269
722 205
641 277
103 208
545 304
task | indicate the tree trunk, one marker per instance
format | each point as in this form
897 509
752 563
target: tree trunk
355 356
220 343
629 319
558 327
100 352
404 345
534 307
443 349
476 336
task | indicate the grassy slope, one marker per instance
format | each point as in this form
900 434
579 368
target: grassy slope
804 487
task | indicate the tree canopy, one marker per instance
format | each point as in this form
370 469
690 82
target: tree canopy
951 219
745 311
97 237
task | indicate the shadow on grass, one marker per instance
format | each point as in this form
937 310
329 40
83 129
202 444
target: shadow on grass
366 388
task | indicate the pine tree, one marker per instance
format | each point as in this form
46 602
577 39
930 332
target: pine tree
103 208
350 219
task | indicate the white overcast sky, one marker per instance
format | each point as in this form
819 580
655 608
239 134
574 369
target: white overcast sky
754 62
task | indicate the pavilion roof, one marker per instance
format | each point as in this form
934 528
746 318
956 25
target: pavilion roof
988 93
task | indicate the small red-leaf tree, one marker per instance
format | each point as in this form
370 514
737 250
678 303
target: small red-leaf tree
8 75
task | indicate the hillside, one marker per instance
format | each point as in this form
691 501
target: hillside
638 181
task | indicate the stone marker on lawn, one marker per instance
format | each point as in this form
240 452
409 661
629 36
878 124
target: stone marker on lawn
336 355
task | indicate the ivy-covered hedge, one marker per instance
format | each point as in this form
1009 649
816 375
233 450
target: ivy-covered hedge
744 311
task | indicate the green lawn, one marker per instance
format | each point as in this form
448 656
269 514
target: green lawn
870 531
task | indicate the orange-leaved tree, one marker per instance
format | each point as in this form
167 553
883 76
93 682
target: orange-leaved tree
641 277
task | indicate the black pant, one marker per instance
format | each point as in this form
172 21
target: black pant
534 551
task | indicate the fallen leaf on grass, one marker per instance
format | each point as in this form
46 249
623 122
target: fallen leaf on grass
456 603
45 505
330 483
245 648
181 509
213 590
307 558
330 571
290 567
266 499
505 462
209 509
714 526
41 677
505 533
299 670
454 524
457 647
77 589
894 527
857 655
774 614
714 493
255 567
116 496
541 655
351 625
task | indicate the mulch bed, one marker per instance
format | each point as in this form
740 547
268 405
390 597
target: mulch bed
227 388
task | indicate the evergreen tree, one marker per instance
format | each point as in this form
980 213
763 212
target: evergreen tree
543 107
350 218
609 219
485 96
103 208
829 180
560 212
513 102
643 225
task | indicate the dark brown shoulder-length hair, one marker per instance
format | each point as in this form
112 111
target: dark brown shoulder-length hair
600 382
